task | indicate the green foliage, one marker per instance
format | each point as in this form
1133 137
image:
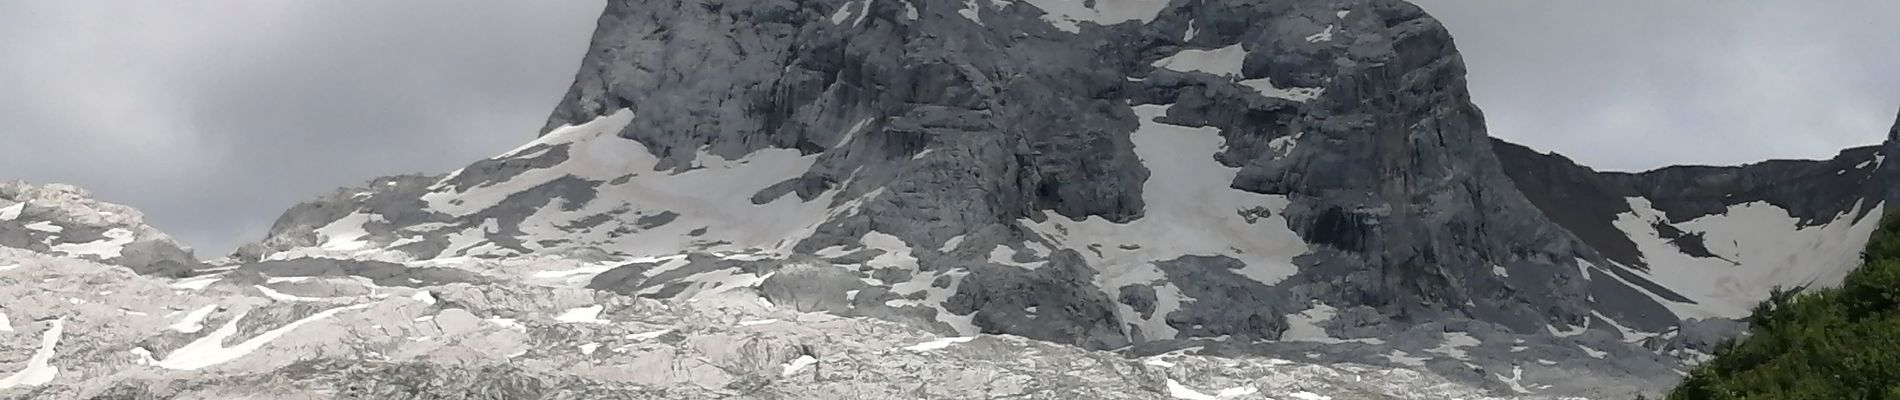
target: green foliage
1822 344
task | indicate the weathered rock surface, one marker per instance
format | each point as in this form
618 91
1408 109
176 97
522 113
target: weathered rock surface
1280 177
1250 180
65 220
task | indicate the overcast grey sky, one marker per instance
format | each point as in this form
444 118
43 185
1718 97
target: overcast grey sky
215 116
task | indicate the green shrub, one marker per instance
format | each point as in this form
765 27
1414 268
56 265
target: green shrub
1821 344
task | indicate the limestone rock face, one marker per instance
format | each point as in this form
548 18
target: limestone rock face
1249 178
66 221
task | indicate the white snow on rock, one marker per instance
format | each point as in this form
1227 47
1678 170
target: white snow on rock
4 268
210 350
105 249
1309 396
345 234
588 349
6 325
1400 357
280 296
843 13
1343 13
648 335
757 322
583 315
797 364
39 369
1454 345
939 344
1754 243
714 195
423 296
508 323
1265 87
12 212
1592 352
1515 380
1179 391
971 11
194 321
1191 210
1304 326
44 226
864 11
1223 61
1322 36
1067 15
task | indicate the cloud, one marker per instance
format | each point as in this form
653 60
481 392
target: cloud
215 116
1634 85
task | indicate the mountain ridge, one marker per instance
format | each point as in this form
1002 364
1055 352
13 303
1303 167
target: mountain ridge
1281 180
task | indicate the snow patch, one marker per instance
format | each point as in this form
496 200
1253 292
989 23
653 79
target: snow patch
1593 353
38 369
1400 357
423 296
1192 210
863 12
1322 36
194 321
588 349
1066 15
757 322
797 364
105 249
1179 391
843 13
648 335
12 212
210 350
1304 327
1454 345
939 344
280 296
1753 244
345 234
583 315
1309 396
1514 381
508 323
1223 61
6 325
44 226
1265 87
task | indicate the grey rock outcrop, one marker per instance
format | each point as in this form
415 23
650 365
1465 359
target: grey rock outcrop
65 220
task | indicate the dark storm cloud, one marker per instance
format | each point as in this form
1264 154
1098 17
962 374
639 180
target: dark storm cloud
214 116
1637 84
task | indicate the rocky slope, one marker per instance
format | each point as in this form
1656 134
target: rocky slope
76 329
1281 178
66 221
1099 183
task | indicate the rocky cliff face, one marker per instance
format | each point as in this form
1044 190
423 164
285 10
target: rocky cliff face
1285 178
